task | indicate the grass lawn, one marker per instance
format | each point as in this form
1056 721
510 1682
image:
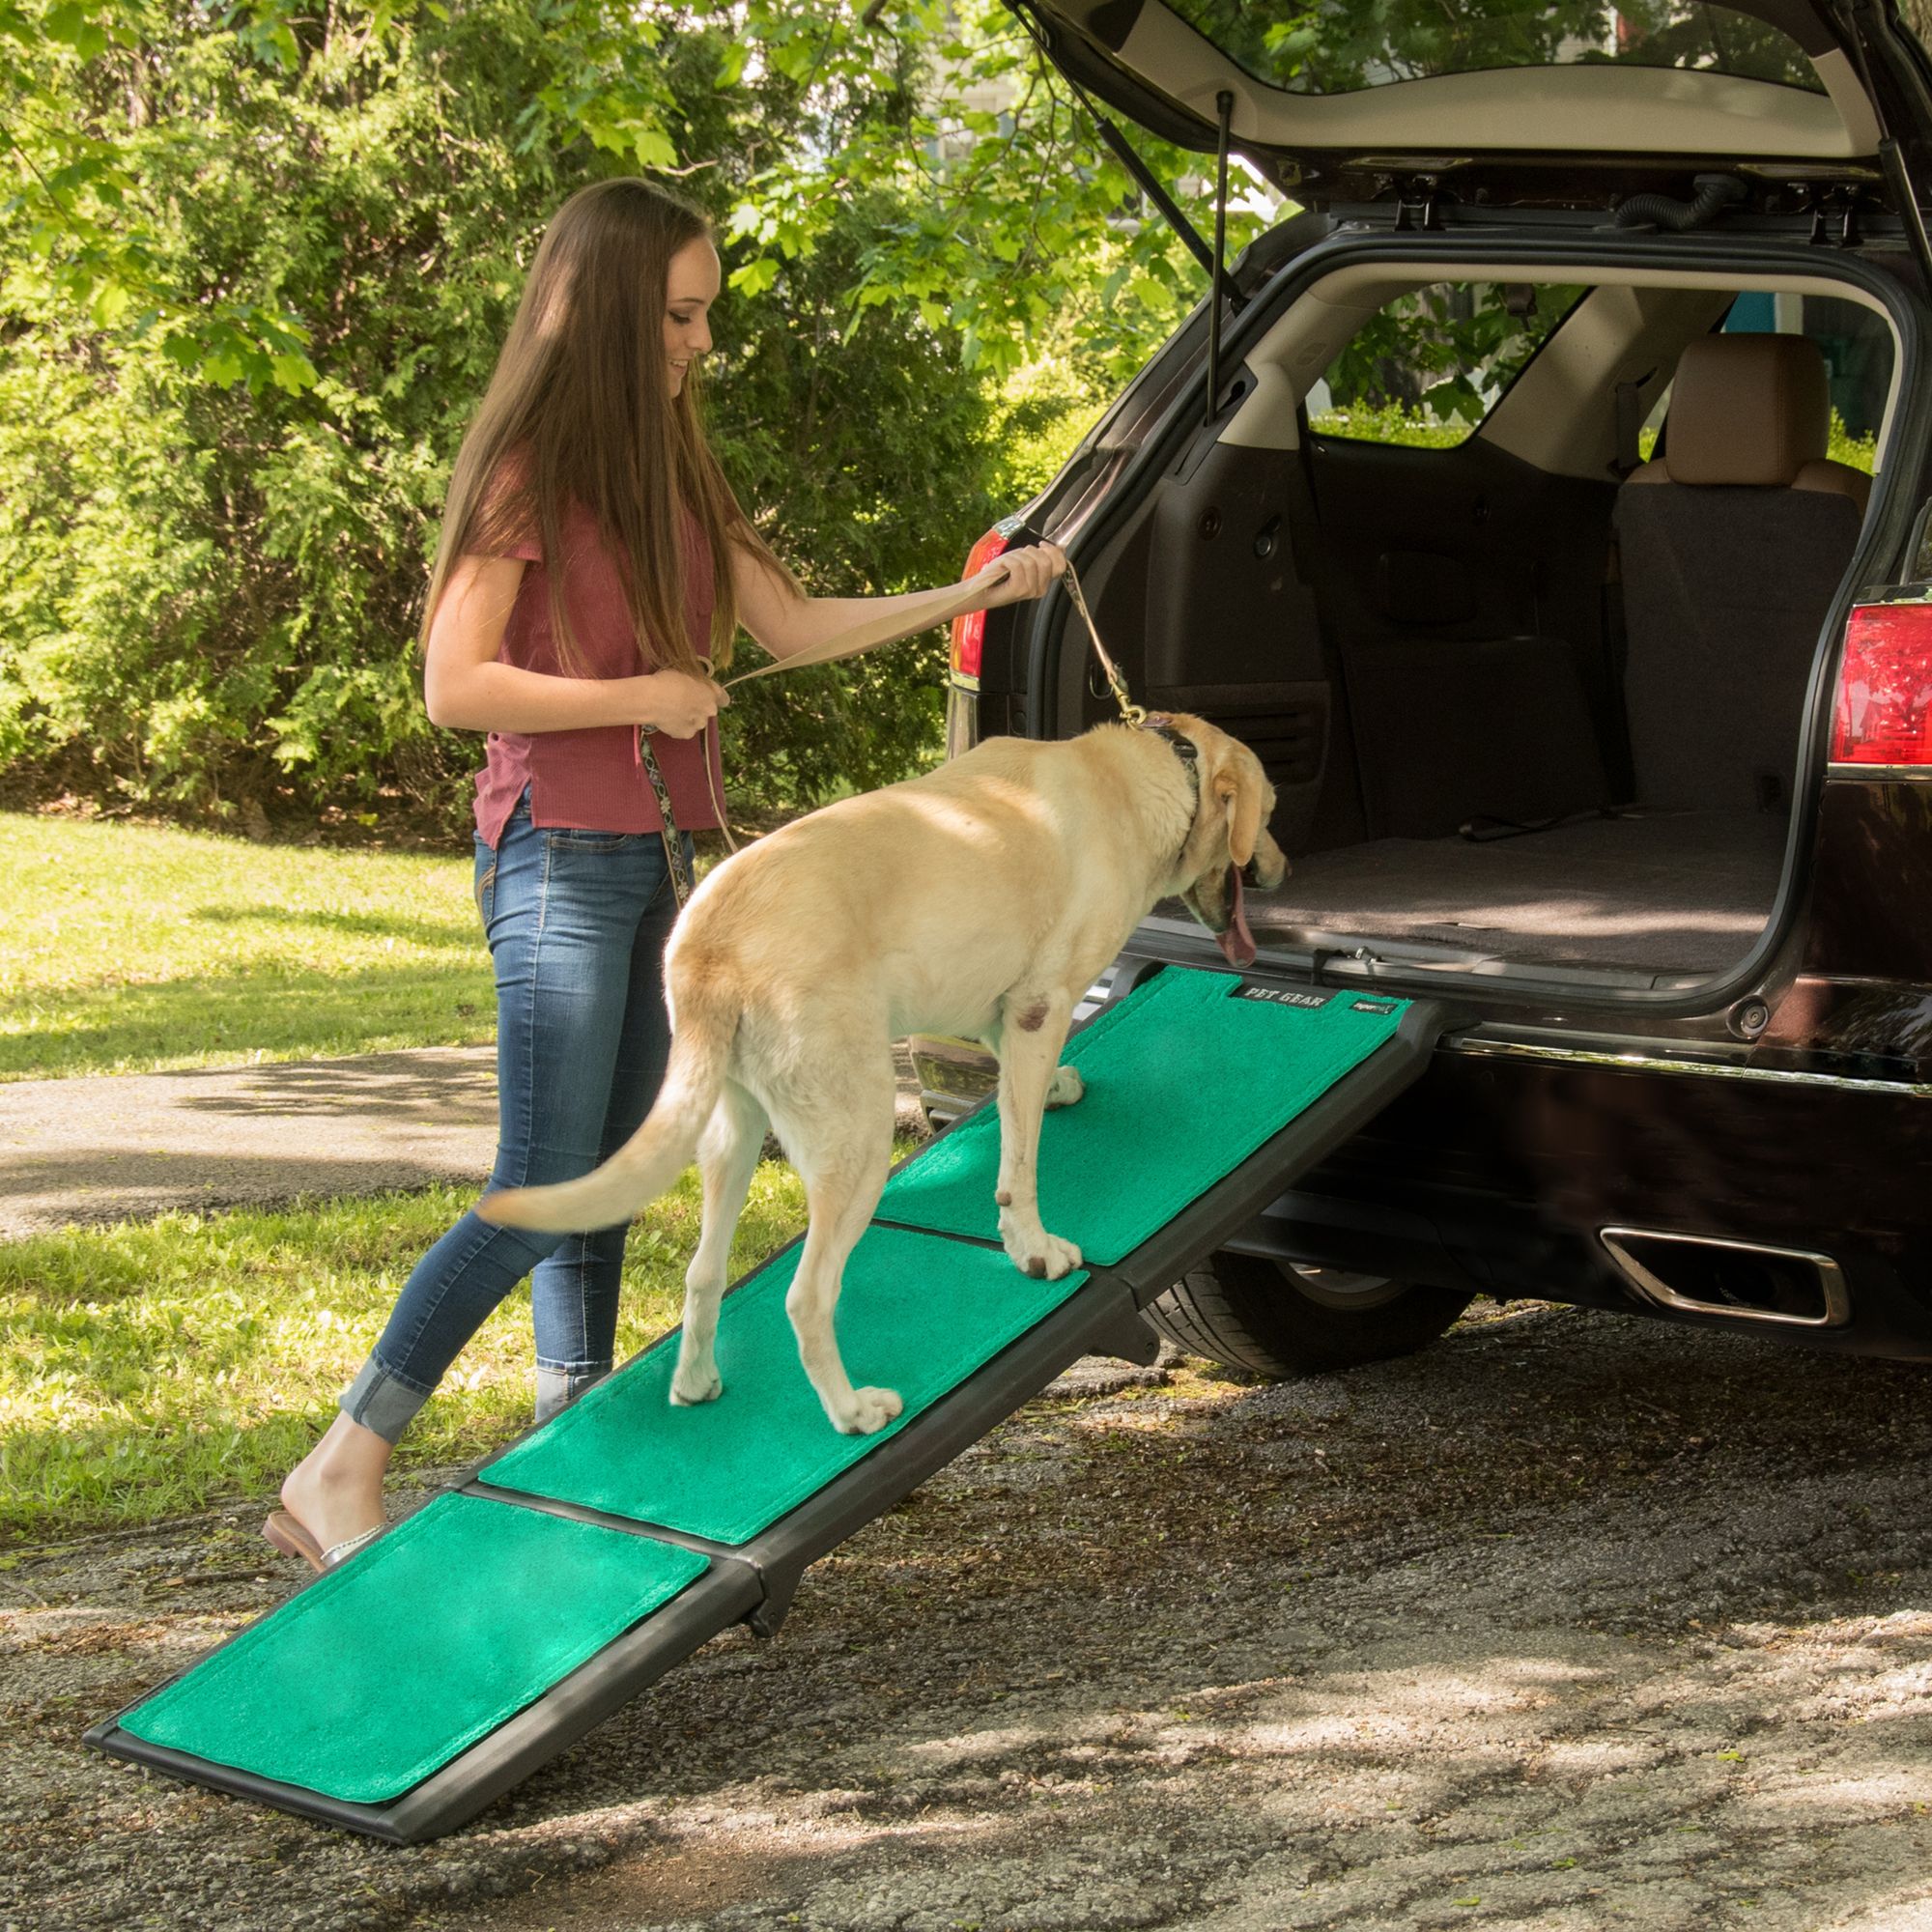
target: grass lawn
158 1367
137 947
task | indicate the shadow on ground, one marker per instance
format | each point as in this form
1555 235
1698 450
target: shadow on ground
1574 1621
417 931
270 1008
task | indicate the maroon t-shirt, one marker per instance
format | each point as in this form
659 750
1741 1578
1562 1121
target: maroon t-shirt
594 779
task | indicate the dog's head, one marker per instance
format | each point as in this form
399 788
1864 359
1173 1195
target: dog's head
1230 840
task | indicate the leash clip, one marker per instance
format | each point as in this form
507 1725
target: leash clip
1130 713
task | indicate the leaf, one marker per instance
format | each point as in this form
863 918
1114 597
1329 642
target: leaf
653 148
294 372
755 276
110 304
65 23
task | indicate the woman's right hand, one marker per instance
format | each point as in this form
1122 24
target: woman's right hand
675 702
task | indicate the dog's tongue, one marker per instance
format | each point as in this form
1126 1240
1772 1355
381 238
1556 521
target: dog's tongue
1237 942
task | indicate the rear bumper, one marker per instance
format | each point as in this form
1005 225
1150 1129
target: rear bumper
1499 1170
1500 1173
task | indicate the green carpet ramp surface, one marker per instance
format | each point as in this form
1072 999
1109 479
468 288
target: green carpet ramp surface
1186 1078
400 1692
384 1669
918 1314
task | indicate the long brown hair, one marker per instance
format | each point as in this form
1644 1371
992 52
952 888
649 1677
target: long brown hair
579 411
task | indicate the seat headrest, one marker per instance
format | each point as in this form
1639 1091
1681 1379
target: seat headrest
1747 408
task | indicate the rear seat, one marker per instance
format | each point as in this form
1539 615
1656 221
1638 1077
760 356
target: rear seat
1733 545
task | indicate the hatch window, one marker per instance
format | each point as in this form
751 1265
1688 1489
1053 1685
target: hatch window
1429 366
1338 46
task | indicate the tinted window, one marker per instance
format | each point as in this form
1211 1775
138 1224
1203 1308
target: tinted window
1337 46
1428 368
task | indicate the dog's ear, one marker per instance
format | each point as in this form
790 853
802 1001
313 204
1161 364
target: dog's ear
1239 791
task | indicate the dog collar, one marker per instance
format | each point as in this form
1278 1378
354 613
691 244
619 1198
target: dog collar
1180 744
1236 941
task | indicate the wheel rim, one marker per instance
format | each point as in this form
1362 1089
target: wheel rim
1341 1288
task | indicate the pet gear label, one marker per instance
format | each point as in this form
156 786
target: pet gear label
1382 1007
1280 996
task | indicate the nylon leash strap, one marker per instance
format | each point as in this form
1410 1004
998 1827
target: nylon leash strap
675 863
848 644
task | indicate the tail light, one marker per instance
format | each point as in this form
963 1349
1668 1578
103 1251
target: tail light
969 633
1884 714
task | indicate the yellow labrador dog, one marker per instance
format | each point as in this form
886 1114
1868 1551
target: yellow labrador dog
982 899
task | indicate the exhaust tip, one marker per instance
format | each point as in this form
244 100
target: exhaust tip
1738 1281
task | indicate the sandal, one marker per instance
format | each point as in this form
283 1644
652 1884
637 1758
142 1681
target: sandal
293 1540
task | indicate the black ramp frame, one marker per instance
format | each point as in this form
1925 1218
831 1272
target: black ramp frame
755 1581
727 1593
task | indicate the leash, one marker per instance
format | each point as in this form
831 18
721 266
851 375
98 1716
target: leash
849 642
1136 717
1130 713
942 608
676 867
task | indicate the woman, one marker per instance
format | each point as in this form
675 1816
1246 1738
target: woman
593 568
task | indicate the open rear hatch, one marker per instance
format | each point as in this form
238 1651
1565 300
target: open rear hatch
1472 112
1564 104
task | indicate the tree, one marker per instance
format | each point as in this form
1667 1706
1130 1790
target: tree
258 268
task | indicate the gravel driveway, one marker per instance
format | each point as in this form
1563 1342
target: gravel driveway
1574 1621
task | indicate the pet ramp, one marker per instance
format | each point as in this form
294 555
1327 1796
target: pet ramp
401 1692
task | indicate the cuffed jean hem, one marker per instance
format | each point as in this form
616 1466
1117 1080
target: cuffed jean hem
558 1388
380 1400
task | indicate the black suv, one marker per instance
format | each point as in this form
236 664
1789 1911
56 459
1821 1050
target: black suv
1546 502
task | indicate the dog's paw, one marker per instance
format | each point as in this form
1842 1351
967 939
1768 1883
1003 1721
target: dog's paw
695 1383
1044 1255
1066 1088
869 1411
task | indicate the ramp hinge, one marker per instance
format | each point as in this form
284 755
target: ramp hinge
1129 1338
780 1587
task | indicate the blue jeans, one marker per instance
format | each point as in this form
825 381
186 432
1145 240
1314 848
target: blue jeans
577 924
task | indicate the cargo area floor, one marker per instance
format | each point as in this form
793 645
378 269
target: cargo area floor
1667 893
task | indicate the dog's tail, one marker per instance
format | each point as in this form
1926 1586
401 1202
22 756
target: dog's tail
656 1154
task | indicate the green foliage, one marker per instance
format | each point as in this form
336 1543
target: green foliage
1860 452
1388 422
1444 354
77 194
1334 46
259 266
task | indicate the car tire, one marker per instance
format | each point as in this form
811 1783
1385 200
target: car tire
1276 1321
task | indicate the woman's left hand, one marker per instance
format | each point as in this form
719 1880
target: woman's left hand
1026 572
